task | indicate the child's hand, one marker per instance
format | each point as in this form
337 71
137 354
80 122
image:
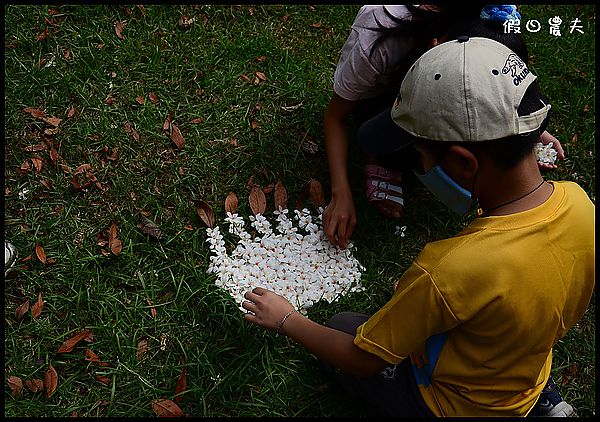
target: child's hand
339 220
267 308
545 139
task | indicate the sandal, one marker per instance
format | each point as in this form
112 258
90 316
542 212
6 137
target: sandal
383 190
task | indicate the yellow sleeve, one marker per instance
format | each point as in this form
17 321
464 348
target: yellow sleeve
416 312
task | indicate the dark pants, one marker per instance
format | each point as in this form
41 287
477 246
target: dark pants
393 392
404 159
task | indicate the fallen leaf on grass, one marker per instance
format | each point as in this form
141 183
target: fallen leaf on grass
119 30
280 196
43 35
258 202
316 194
254 124
36 309
152 309
166 408
197 120
188 227
51 380
261 76
25 167
37 163
70 344
130 130
261 59
177 137
22 310
35 112
39 251
67 54
245 78
71 112
184 22
16 386
114 244
36 148
140 99
316 25
142 348
153 97
180 386
149 228
92 357
53 121
231 203
103 379
35 386
167 124
205 212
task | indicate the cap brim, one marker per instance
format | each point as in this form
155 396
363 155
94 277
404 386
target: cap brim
381 135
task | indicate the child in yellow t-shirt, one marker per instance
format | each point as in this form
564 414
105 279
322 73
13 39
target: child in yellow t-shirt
470 328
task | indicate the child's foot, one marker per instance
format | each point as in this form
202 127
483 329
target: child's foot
383 190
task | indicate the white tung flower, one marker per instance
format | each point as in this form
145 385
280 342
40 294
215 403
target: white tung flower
303 268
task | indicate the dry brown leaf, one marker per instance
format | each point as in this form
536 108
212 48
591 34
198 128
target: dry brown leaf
43 35
245 78
140 99
586 108
39 251
131 130
280 196
25 167
231 203
35 385
261 59
261 76
119 30
53 154
83 168
103 379
184 22
254 124
37 163
71 112
316 25
205 212
258 201
267 189
46 183
114 244
177 137
315 193
51 132
70 344
166 408
152 309
51 380
92 357
53 121
197 120
167 124
180 386
36 148
16 386
142 348
149 228
188 227
67 54
22 310
153 97
35 112
285 18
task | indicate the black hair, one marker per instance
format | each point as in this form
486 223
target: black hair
422 26
493 30
509 151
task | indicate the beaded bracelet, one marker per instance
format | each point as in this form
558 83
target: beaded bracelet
283 320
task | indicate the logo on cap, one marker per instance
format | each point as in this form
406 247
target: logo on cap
516 67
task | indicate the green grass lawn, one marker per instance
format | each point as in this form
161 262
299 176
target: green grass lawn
237 125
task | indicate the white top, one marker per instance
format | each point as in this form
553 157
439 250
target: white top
356 76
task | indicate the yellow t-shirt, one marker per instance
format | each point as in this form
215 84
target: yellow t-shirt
478 313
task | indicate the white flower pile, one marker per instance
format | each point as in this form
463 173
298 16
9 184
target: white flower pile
298 263
545 153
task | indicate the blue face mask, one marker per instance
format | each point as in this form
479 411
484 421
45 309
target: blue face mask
454 196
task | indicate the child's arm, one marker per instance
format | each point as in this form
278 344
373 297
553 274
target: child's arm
267 309
339 218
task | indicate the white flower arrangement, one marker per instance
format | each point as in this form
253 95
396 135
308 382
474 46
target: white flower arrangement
298 263
545 153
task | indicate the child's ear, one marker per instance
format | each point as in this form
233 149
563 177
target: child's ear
432 43
464 159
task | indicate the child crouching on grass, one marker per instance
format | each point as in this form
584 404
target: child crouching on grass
470 328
